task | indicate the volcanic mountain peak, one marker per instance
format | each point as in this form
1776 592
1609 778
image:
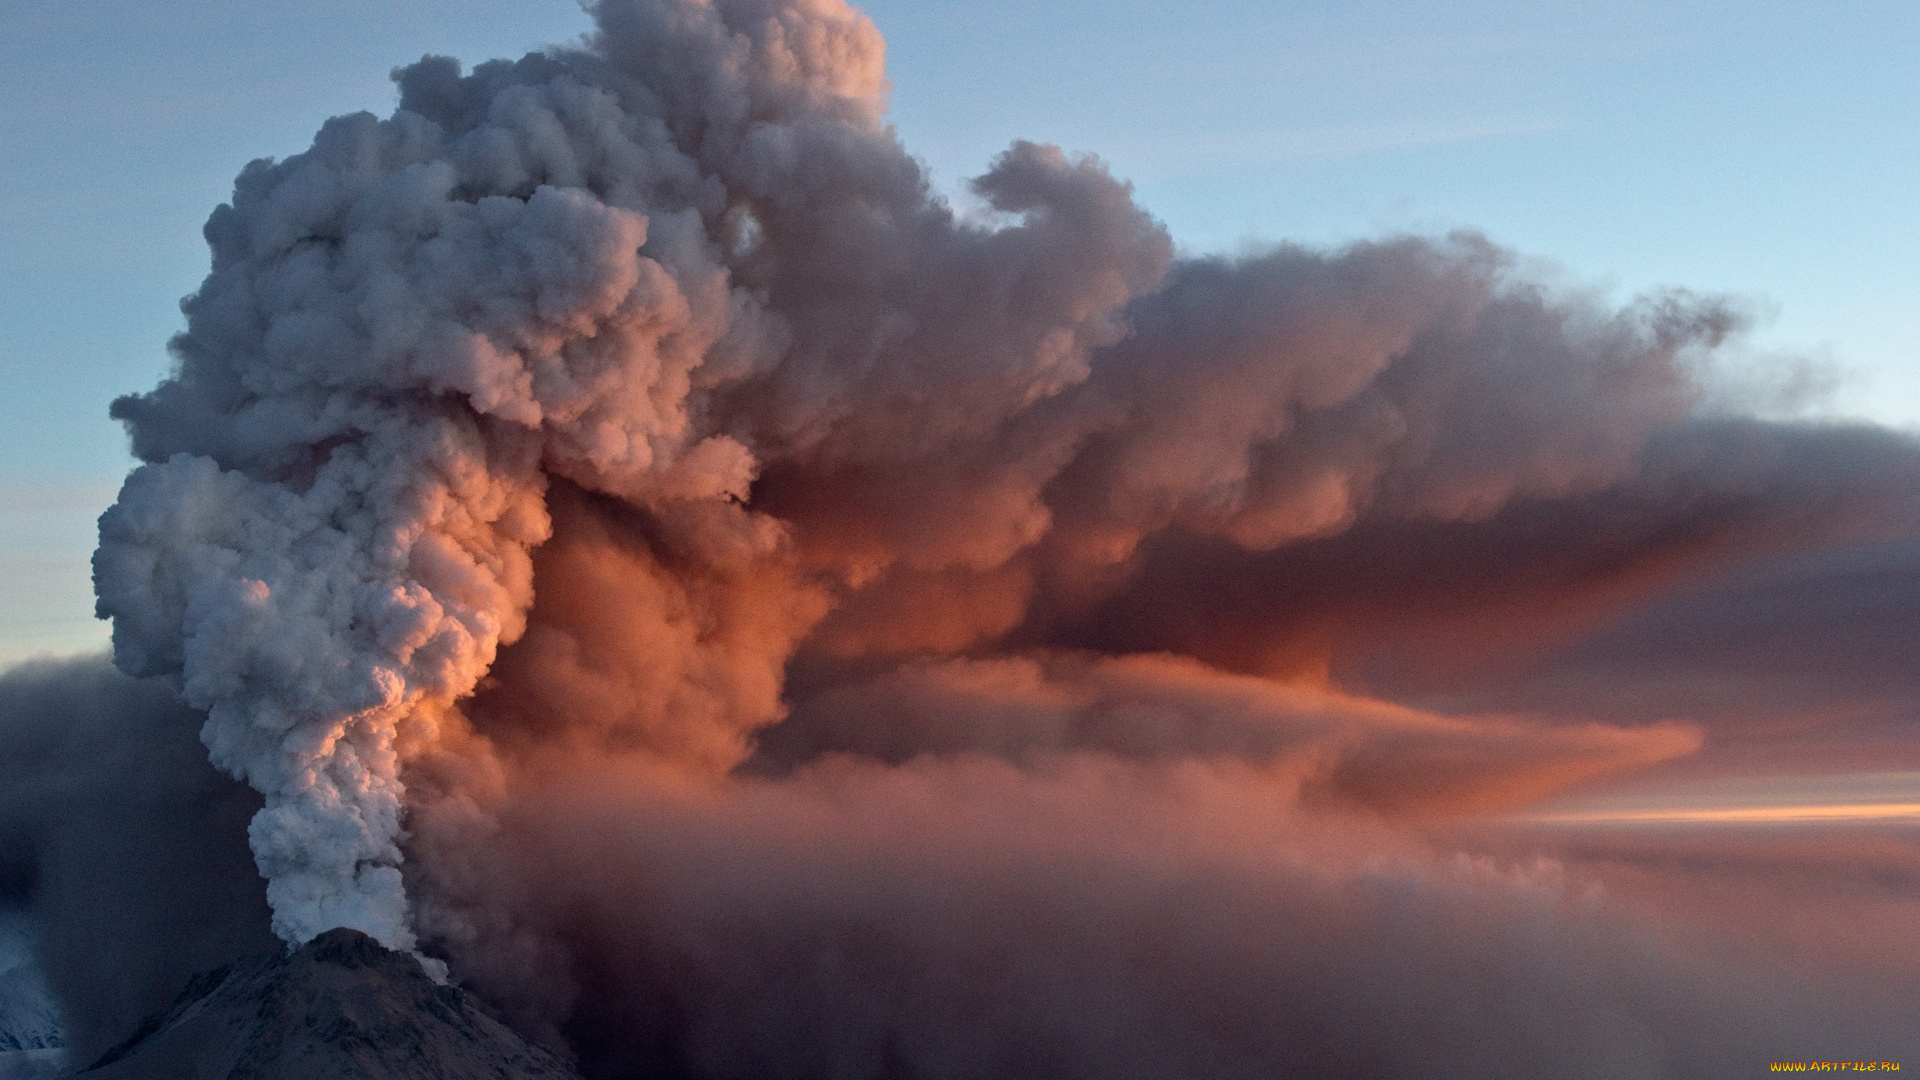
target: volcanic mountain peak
341 1007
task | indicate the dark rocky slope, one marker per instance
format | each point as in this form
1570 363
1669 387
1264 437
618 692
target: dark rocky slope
341 1007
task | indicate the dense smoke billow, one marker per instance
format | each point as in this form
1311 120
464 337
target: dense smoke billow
646 548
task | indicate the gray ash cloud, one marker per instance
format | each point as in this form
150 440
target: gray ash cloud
635 542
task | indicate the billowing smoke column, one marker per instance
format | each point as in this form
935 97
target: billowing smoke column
623 401
567 268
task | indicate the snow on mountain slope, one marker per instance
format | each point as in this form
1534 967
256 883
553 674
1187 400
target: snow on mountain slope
28 1018
30 1037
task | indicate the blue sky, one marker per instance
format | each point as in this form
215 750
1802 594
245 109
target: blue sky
1766 150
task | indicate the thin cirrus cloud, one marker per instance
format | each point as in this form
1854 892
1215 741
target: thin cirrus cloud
1170 155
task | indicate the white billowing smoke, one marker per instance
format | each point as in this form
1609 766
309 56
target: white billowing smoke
680 301
788 628
403 328
522 273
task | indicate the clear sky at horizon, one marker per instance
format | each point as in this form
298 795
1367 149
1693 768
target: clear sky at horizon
1765 150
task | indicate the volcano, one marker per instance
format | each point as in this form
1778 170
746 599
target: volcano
341 1007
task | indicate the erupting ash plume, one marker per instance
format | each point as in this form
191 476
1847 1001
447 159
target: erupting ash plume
620 456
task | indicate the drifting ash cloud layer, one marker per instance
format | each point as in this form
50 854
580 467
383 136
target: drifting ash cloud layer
970 916
618 468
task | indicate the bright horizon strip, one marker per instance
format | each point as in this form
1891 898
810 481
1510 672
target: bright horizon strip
1737 815
1747 800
